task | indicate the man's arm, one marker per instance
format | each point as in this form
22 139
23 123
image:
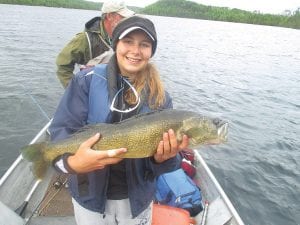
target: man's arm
76 51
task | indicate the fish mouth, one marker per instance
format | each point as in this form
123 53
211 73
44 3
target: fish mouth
223 131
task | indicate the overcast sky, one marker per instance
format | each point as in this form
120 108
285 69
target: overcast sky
265 6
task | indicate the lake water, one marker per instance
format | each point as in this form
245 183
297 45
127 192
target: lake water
246 74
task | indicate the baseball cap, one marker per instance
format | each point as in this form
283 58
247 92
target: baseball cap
134 23
115 6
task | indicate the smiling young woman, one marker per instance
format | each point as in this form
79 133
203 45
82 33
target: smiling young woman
133 52
104 188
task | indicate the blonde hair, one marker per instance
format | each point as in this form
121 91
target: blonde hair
149 80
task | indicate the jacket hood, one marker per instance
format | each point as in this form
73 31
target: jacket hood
93 25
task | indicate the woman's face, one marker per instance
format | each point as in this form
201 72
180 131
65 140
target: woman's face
133 52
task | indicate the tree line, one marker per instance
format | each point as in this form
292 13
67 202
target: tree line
75 4
182 8
188 9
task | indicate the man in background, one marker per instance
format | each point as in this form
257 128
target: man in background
94 42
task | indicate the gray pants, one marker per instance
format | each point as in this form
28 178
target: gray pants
117 212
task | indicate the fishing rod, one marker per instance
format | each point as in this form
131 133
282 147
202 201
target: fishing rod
19 159
21 209
35 102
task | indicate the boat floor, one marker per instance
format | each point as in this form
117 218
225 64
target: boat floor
56 207
57 200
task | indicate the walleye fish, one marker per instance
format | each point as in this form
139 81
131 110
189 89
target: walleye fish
140 134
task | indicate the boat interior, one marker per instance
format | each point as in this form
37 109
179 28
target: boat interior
25 200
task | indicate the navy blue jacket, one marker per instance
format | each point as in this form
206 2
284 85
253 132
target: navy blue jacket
87 100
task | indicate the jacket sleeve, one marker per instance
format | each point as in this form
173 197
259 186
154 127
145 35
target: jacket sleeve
76 51
166 166
71 113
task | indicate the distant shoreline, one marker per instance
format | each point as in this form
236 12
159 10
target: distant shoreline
183 9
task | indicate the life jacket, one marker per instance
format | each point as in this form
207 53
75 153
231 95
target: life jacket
99 101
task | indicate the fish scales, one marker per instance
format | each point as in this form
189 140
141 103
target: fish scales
141 138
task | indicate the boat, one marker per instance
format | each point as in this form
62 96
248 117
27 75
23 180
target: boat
27 201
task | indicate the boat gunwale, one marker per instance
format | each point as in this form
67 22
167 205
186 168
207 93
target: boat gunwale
220 190
20 157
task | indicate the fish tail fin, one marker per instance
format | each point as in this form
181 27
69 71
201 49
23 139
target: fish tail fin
35 153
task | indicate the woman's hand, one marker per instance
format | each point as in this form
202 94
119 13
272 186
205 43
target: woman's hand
86 159
168 147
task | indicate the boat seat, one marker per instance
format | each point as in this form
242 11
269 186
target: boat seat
9 217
